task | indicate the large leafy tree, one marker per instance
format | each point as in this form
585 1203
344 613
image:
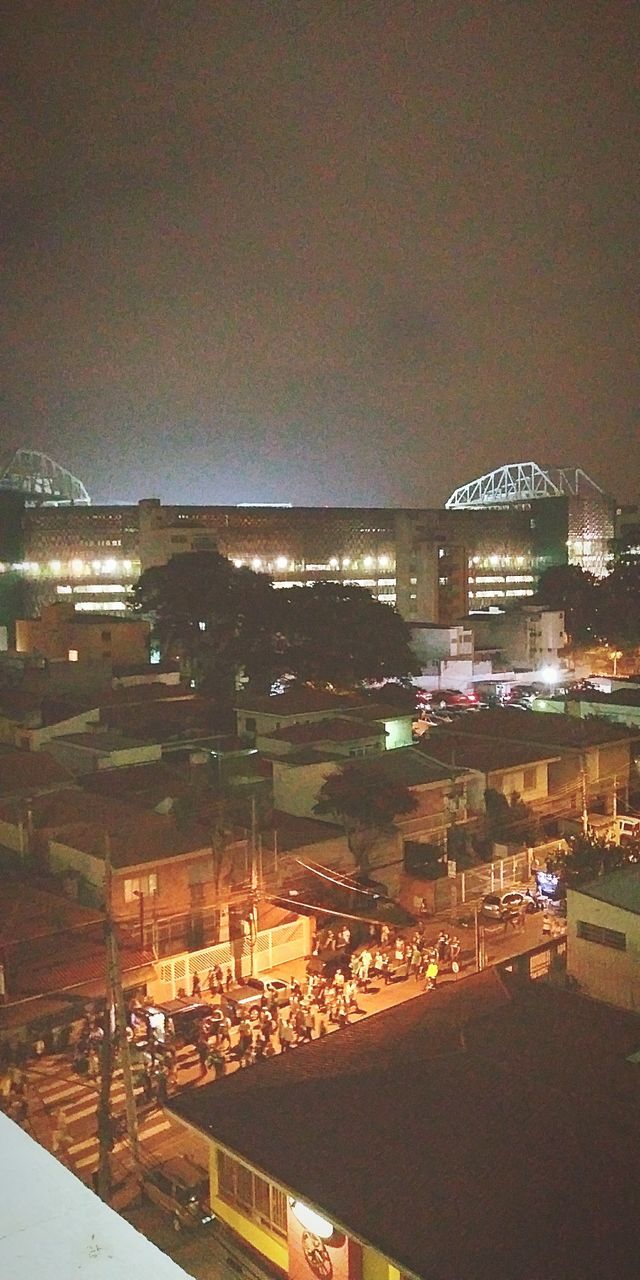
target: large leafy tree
574 590
340 635
366 800
619 605
588 857
214 617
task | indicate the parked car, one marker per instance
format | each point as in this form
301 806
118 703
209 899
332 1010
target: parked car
271 987
181 1187
497 905
186 1016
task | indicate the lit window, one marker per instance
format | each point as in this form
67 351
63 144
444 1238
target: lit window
73 655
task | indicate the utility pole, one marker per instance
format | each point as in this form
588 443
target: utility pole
253 924
614 812
115 1022
585 809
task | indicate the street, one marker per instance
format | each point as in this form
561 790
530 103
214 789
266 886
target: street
62 1106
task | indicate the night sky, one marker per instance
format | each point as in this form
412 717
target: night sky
321 252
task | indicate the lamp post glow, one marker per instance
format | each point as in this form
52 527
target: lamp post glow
614 655
310 1220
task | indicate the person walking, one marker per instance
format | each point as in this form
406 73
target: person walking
196 989
202 1049
432 973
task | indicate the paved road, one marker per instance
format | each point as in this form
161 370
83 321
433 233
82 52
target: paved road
62 1106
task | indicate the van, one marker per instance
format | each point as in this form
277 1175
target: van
181 1187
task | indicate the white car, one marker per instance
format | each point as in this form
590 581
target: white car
498 905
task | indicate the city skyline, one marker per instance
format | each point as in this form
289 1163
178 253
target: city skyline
303 256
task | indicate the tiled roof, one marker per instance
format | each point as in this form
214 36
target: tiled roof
298 700
25 771
136 835
547 728
486 755
618 888
336 729
461 1134
103 741
383 711
36 914
143 784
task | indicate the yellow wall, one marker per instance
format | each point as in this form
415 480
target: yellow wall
266 1242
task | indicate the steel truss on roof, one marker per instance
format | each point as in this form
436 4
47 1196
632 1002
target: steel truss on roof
42 480
520 482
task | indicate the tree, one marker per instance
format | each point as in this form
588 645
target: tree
619 605
340 635
366 800
575 591
214 617
508 820
588 857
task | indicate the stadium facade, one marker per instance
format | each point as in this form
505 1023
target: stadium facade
487 546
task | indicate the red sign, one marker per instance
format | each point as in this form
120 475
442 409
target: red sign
318 1252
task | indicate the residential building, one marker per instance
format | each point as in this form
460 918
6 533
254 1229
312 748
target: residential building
60 633
445 654
169 882
621 706
397 1147
603 938
528 637
89 752
509 767
266 719
52 959
595 760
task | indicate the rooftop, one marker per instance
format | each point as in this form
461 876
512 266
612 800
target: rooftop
550 730
618 888
336 729
82 821
38 914
144 784
464 1133
24 771
298 700
102 740
483 754
52 1226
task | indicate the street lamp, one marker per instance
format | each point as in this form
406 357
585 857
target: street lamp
614 654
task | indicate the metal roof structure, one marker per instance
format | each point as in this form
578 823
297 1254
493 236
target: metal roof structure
520 482
42 480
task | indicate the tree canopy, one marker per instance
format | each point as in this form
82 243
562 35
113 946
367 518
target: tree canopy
605 609
341 635
366 800
214 617
221 621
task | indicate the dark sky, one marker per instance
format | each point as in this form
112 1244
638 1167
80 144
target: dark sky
321 252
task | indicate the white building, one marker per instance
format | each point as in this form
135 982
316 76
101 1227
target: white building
603 937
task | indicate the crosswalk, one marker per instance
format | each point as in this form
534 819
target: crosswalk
73 1101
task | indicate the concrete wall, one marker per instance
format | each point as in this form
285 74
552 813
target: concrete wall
82 759
604 973
295 789
35 739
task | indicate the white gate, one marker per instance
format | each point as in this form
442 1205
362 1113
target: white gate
272 947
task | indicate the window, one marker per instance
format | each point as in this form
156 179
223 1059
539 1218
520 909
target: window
264 1202
73 655
604 937
143 884
530 778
